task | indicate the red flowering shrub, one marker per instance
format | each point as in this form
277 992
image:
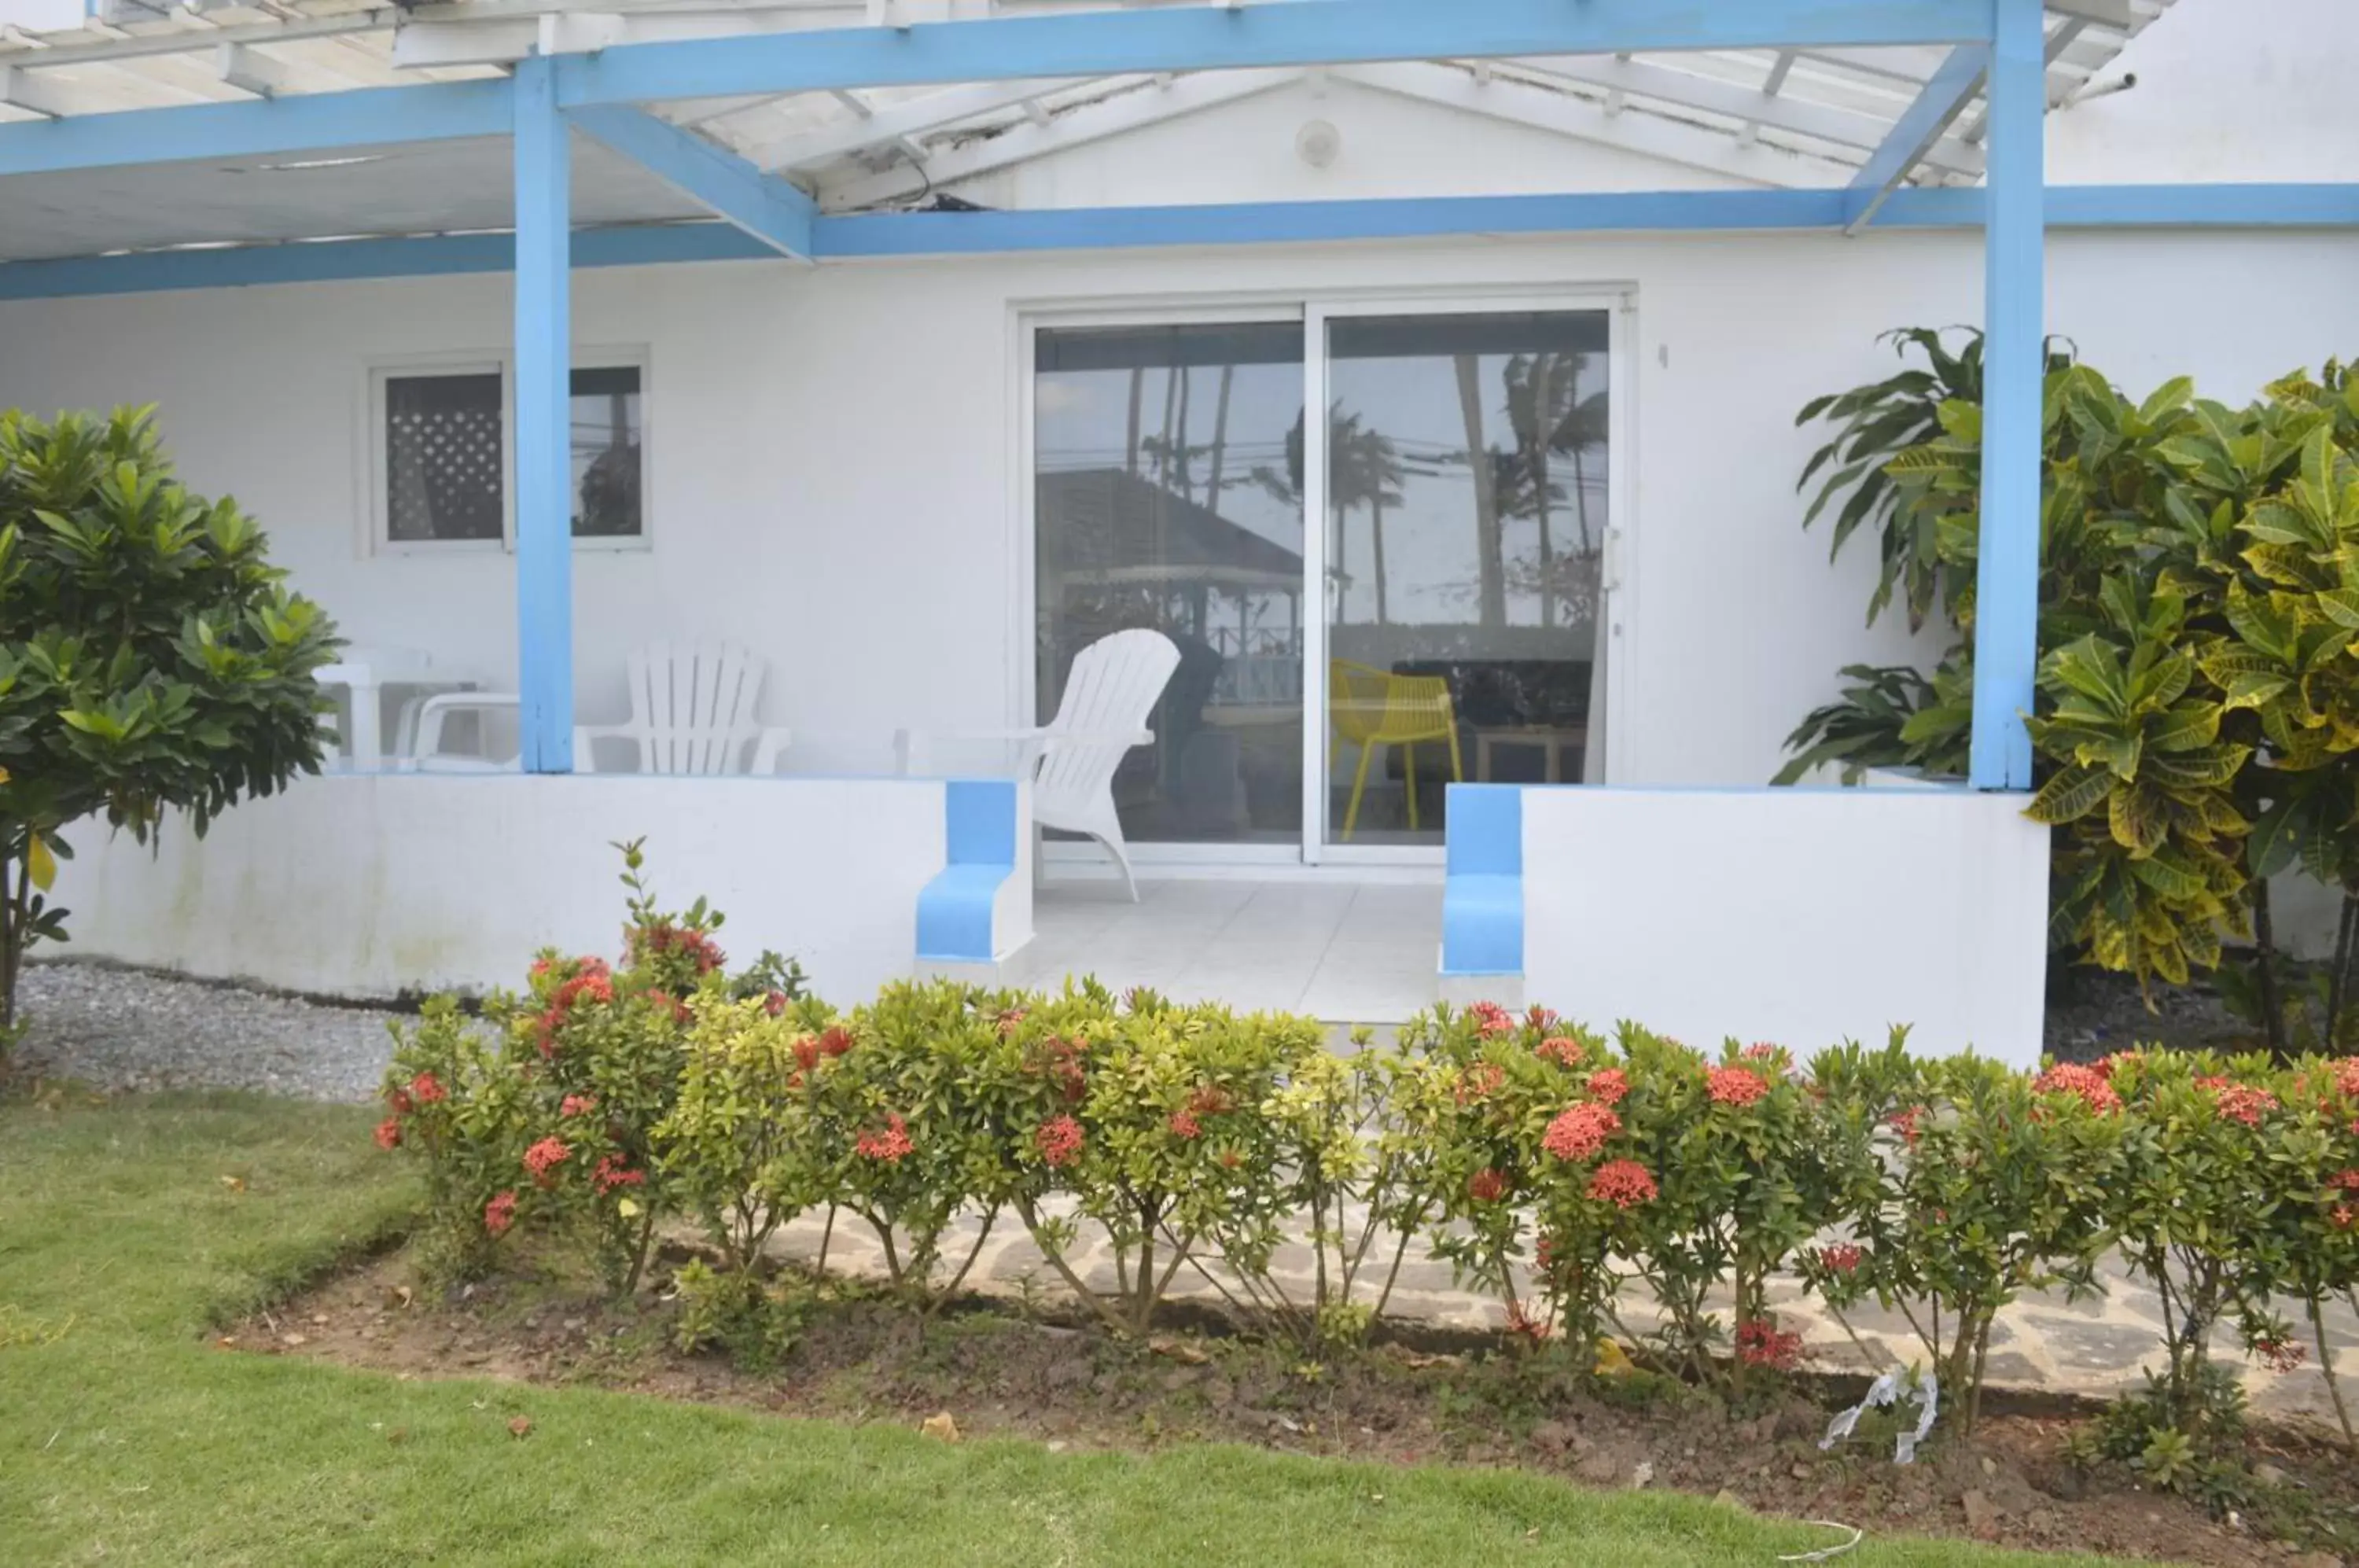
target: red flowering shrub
1607 1086
1487 1186
1984 1183
1153 1122
555 1094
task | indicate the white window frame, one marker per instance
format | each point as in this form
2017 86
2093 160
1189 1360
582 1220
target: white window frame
376 472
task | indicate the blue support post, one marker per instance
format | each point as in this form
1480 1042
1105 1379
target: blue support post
544 333
2007 579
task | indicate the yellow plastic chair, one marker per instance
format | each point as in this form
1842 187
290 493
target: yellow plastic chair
1372 708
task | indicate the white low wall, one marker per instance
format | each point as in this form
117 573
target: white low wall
1800 916
362 886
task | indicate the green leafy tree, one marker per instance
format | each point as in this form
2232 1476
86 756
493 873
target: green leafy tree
151 657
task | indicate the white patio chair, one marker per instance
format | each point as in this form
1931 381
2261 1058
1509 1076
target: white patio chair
1113 686
692 709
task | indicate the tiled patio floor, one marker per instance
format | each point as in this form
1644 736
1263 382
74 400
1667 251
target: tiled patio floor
1360 953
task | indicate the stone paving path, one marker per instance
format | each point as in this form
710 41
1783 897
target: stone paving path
2094 1347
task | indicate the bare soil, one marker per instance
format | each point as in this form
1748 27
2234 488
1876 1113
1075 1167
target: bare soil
1001 1372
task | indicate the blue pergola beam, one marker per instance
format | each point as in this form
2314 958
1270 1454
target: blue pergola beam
2087 207
1942 99
1214 38
2006 570
769 209
543 370
311 122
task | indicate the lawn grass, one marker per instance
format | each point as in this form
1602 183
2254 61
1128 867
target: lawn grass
125 1436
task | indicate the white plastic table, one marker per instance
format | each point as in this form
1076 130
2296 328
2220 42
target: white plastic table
364 674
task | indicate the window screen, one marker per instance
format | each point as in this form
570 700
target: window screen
444 440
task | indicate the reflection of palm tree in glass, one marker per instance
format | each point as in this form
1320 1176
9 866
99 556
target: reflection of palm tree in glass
1549 416
1366 470
1492 590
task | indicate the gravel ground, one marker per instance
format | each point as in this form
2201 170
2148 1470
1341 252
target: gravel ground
130 1029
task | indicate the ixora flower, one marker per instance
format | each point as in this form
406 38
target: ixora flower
1904 1122
888 1144
388 1133
610 1173
1738 1086
1609 1084
2241 1101
2281 1355
1840 1257
1580 1131
2092 1086
1060 1140
1183 1124
399 1102
1563 1050
500 1213
1490 1018
1622 1183
545 1157
576 1105
1761 1342
834 1040
2346 1076
1009 1021
2345 1216
1487 1186
2348 1181
1479 1082
426 1089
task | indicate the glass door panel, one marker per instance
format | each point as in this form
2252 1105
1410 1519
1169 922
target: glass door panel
1465 499
1168 478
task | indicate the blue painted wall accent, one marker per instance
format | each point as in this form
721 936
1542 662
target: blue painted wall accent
2006 573
1483 890
306 122
1311 32
952 234
954 910
769 209
544 368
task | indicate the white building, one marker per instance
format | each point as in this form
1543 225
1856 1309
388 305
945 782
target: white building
917 463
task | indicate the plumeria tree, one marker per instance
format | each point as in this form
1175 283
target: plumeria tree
151 657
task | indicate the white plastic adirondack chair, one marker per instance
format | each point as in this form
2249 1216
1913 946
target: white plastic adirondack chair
692 712
1114 687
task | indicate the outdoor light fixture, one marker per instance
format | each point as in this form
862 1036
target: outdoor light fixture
1317 143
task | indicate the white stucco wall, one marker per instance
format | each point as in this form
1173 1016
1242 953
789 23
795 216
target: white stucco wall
369 886
1805 917
833 451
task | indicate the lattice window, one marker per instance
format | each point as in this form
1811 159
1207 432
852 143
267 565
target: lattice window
444 438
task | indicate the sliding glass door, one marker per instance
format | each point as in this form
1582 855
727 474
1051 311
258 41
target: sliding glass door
1168 492
1465 509
1445 619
